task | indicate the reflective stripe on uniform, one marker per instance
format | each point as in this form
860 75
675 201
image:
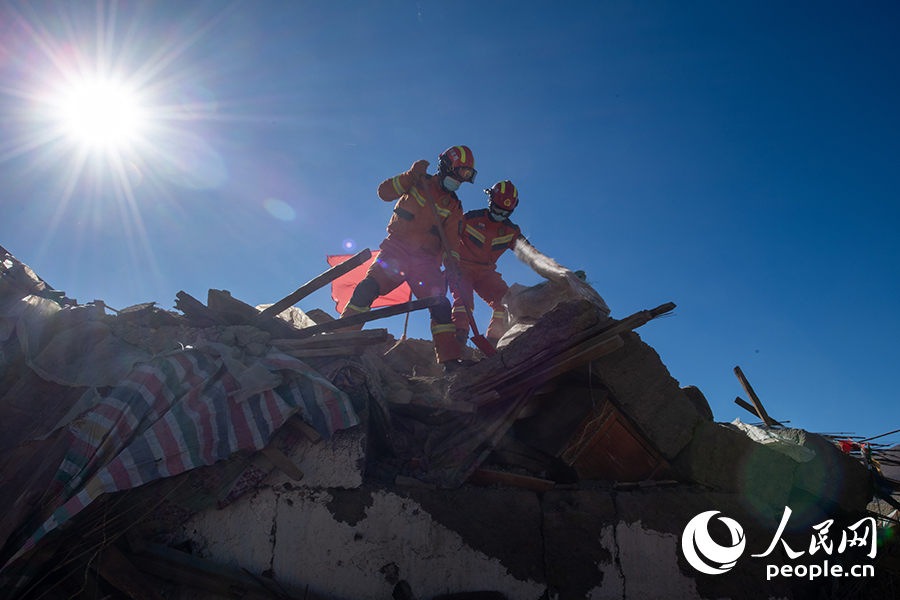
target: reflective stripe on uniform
502 240
396 181
475 233
499 314
460 309
447 328
417 196
357 308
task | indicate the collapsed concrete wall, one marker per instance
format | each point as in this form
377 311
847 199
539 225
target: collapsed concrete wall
356 540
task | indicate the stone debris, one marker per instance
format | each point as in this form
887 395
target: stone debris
566 465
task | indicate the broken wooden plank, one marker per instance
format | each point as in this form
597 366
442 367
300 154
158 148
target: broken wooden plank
372 315
135 540
751 409
632 485
213 577
444 404
115 568
196 311
237 312
572 358
335 351
305 429
282 462
365 337
488 477
601 331
413 482
313 285
760 409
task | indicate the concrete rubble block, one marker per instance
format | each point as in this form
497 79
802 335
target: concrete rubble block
725 459
335 463
648 547
648 395
293 315
833 477
698 399
413 357
360 543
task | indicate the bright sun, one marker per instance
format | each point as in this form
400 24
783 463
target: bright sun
101 113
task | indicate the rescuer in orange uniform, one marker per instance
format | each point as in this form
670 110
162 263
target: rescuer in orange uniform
412 251
487 233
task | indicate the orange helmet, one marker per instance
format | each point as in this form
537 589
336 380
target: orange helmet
504 197
458 161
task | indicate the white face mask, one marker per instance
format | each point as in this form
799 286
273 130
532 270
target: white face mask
450 184
495 217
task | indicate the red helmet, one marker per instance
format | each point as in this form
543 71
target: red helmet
504 195
458 160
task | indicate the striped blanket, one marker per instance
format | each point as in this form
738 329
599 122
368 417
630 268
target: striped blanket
177 413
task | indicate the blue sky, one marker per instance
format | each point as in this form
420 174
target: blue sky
737 158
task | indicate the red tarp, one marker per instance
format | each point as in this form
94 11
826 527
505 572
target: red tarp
342 287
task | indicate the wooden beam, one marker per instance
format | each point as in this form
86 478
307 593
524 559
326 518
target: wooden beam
760 409
488 477
372 315
365 337
563 362
195 310
413 482
314 284
750 408
603 331
115 568
282 462
306 430
335 351
213 577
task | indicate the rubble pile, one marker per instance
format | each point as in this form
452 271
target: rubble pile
221 447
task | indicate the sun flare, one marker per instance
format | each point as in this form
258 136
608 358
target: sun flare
101 113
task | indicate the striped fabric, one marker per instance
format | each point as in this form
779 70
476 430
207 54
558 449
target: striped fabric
178 413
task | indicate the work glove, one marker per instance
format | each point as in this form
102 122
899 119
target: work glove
419 169
452 275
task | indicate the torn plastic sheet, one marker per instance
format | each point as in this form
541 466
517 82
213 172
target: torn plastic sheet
772 440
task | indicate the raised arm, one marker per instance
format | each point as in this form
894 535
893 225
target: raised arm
393 188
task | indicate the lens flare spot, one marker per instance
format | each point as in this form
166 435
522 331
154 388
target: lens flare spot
280 210
348 245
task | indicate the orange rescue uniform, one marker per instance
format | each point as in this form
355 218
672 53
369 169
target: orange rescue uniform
483 241
412 251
